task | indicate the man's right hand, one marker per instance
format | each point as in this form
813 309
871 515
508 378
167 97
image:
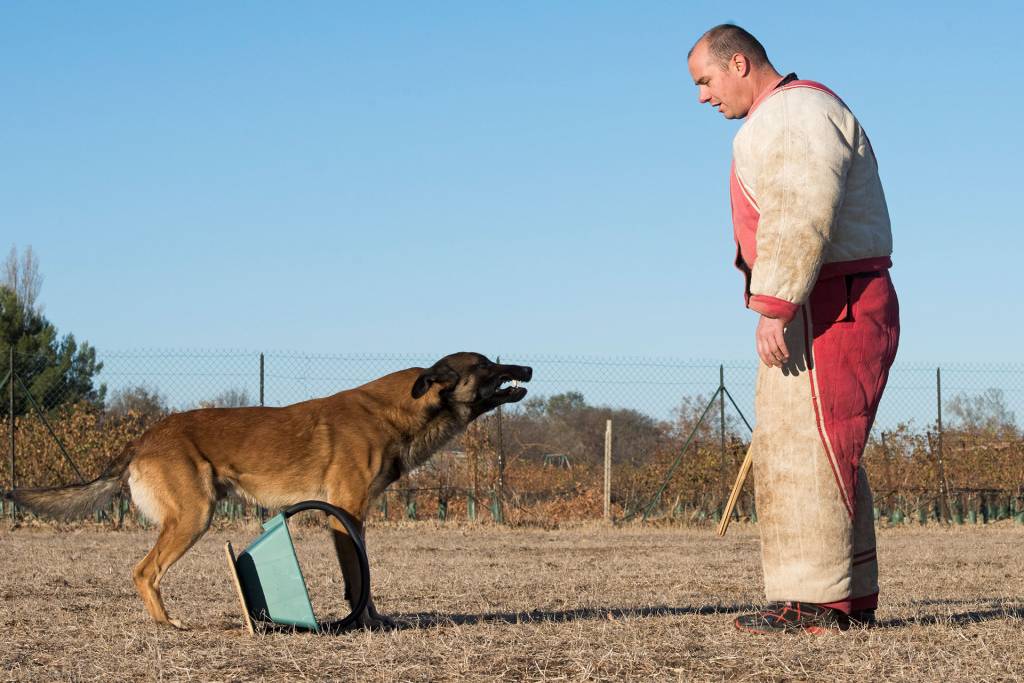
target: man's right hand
771 343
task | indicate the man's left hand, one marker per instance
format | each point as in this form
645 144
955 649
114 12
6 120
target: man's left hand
771 343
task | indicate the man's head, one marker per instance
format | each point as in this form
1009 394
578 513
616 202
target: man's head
730 68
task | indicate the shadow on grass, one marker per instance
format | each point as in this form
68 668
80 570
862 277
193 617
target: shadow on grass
998 610
434 619
426 620
437 620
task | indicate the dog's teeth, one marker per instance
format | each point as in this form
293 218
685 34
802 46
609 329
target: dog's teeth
515 384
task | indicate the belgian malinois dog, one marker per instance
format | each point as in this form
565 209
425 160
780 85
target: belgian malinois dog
344 449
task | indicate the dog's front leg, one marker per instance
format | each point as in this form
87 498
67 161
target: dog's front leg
349 561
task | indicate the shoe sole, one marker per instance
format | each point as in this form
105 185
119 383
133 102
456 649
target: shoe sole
812 630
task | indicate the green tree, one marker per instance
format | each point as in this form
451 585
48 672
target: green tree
56 370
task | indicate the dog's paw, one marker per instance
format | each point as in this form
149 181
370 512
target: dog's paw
378 622
176 623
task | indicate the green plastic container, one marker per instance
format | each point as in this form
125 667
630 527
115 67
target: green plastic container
270 582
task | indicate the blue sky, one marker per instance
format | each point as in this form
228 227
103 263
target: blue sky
529 177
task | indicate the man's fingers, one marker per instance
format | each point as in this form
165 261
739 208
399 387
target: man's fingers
772 349
780 342
771 342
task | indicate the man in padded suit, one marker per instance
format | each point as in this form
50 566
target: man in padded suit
813 242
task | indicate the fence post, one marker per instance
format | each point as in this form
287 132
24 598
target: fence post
475 493
260 512
722 485
10 416
261 379
943 485
499 511
608 471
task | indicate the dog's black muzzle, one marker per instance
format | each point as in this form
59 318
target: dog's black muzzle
505 388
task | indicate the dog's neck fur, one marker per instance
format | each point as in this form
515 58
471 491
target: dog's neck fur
423 445
430 433
419 427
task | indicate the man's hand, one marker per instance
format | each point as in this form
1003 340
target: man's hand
771 345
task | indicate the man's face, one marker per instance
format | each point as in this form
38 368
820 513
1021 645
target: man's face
723 87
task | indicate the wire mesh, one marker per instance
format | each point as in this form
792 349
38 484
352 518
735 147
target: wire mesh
553 442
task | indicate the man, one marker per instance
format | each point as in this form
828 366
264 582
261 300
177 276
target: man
814 244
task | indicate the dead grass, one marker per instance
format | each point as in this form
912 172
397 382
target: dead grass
585 603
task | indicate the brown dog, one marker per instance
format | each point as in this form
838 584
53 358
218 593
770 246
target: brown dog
344 449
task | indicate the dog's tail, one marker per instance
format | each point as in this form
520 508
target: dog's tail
77 500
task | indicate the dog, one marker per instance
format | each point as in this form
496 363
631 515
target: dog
344 449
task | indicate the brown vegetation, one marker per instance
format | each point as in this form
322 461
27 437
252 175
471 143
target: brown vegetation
553 463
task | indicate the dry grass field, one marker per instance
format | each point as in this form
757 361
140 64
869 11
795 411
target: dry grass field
486 603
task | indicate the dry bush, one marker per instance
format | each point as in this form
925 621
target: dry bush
984 464
90 436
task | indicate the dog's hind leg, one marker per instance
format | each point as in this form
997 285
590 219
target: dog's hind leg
182 518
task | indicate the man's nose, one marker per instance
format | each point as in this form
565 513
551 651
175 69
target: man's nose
703 96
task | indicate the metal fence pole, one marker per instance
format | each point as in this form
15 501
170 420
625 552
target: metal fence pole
721 414
943 485
499 502
10 416
474 494
608 471
260 510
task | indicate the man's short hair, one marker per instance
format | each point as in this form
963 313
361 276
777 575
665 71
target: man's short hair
725 40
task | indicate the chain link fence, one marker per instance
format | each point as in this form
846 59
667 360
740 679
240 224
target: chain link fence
946 443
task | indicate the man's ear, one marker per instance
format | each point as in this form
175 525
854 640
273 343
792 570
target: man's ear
739 64
438 374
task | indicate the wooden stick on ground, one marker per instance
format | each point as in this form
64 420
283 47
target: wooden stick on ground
233 567
734 496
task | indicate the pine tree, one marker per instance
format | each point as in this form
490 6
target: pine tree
56 370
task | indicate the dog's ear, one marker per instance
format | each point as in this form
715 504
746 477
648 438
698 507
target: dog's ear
439 374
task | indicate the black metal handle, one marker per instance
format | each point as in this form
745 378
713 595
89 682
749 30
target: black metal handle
352 525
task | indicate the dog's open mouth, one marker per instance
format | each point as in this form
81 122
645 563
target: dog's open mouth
510 389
